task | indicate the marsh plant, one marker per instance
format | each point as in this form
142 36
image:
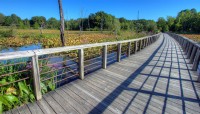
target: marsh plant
16 84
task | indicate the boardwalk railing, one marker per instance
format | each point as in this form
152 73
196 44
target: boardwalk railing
191 49
45 69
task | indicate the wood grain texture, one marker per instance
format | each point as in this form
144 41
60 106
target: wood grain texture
158 79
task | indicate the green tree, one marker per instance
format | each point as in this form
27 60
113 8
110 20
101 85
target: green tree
171 22
52 23
125 25
8 21
26 23
38 20
36 25
2 19
162 24
151 26
15 19
116 26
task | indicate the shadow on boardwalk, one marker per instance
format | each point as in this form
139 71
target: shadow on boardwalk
170 73
157 79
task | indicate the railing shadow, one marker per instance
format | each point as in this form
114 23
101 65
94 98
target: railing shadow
124 86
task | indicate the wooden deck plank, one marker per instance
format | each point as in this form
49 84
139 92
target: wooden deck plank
34 108
113 83
45 107
63 103
137 84
118 108
80 109
92 100
123 100
24 110
53 103
109 89
81 101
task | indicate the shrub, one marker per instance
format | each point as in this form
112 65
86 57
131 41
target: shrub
8 33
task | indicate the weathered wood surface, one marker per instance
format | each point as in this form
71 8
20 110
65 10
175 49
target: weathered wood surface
156 80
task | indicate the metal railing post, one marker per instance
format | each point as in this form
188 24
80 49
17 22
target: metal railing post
104 56
119 47
81 63
36 78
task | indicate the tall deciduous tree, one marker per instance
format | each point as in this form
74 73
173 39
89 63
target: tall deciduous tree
162 24
62 23
170 23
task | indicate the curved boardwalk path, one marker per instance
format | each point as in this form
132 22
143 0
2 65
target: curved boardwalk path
155 80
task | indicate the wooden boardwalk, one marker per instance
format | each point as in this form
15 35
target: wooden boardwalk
157 79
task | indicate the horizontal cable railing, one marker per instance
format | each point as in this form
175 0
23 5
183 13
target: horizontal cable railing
37 72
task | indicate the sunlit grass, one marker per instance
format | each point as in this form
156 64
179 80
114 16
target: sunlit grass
195 37
51 38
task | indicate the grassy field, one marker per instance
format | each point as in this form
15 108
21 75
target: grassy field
195 37
51 38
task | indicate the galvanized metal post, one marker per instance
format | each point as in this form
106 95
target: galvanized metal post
119 48
104 56
129 49
36 78
81 63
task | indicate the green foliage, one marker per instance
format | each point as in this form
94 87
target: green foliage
36 25
7 33
151 26
185 21
2 19
14 94
38 21
53 23
7 21
171 22
162 24
18 93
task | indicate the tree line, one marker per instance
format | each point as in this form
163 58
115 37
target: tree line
185 21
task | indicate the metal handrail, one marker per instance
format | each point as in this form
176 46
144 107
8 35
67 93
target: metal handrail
34 54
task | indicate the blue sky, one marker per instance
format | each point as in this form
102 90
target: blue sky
148 9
